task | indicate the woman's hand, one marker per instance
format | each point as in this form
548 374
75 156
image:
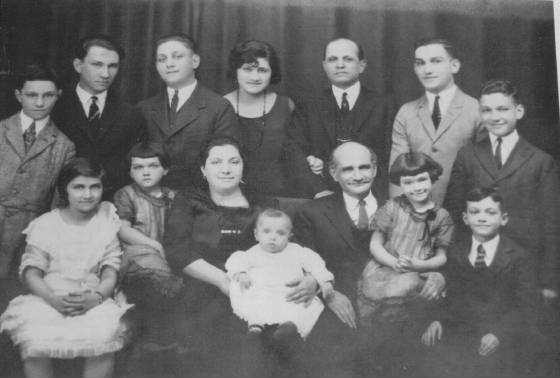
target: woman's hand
303 291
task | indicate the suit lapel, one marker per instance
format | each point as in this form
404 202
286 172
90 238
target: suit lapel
336 213
328 107
519 155
14 135
80 119
453 111
362 108
483 152
108 116
190 110
423 114
45 138
501 258
159 113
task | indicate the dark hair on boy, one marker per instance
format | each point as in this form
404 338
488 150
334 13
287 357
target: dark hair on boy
478 194
146 150
360 52
99 40
218 141
448 46
504 87
79 166
248 52
36 72
183 38
273 213
412 164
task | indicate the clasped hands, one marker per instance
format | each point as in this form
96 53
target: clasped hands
75 303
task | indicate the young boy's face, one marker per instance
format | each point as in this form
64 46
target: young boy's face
37 98
500 113
484 218
435 67
147 172
273 233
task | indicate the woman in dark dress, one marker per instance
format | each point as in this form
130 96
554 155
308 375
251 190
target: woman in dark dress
263 117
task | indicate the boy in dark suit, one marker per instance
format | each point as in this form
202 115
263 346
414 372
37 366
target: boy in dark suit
491 297
526 177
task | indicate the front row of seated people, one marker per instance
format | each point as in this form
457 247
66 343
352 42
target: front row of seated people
177 245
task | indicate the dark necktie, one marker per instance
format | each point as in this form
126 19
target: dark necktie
436 113
363 219
173 108
93 110
498 153
344 105
480 262
29 136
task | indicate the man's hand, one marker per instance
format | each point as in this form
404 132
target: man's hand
432 334
315 164
488 344
549 296
342 307
303 291
434 286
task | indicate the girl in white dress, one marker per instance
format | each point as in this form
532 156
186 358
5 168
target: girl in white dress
70 267
259 276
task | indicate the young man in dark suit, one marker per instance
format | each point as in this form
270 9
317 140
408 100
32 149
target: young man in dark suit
490 309
527 178
101 125
187 114
346 111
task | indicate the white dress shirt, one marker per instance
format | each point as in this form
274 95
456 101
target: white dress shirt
445 98
184 94
85 99
26 121
352 94
508 144
490 247
353 207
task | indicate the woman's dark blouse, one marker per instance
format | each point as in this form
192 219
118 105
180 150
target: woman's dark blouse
197 228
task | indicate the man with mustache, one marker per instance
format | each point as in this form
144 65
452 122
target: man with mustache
337 228
346 111
440 122
100 124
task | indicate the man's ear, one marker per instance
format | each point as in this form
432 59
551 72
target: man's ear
363 65
519 111
196 61
465 218
505 219
77 63
455 65
17 93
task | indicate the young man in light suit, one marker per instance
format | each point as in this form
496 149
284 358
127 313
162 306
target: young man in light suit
440 122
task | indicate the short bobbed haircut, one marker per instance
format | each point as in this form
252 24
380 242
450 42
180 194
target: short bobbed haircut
146 150
36 72
79 166
99 40
218 141
412 164
183 38
504 87
248 52
478 194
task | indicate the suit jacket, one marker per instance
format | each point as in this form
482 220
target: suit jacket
313 132
529 184
204 115
500 300
120 127
27 181
325 226
413 130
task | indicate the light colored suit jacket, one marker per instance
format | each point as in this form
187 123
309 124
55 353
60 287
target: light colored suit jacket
413 130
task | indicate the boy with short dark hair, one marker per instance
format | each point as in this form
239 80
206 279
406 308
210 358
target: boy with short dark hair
491 299
527 178
32 152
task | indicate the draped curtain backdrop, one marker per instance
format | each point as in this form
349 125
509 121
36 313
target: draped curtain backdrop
494 39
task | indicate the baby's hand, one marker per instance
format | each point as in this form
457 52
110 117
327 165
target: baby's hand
244 280
327 290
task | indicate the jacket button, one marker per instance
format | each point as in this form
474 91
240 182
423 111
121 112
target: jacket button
435 149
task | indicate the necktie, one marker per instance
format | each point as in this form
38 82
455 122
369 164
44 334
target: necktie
498 153
363 219
93 109
344 105
29 136
173 108
480 262
436 113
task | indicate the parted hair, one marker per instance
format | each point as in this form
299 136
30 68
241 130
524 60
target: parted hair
248 52
447 45
100 40
36 72
478 194
79 166
504 87
184 38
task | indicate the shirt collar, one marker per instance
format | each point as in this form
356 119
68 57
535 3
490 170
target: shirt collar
85 98
445 98
352 93
353 202
183 93
26 121
490 247
510 139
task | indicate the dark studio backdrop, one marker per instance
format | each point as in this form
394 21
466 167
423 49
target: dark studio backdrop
494 39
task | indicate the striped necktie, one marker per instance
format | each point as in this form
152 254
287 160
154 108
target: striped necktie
93 110
436 113
480 262
29 136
